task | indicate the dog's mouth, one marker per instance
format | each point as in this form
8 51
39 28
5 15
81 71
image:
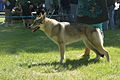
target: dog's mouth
35 29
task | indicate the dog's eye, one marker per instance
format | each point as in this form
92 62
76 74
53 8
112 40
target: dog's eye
39 21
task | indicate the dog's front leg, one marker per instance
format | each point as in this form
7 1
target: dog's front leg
62 51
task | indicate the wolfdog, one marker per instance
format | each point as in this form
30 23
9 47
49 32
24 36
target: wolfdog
63 33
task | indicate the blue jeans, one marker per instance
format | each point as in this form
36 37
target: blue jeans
111 18
105 25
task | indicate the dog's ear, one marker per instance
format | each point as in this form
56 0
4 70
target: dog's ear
42 11
42 15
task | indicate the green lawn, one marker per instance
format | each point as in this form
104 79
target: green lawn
32 56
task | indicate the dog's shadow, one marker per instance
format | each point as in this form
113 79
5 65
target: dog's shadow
69 64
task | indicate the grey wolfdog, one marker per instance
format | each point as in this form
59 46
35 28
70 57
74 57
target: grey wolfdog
63 33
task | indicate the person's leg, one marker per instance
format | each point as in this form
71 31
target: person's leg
111 18
73 9
115 17
105 25
113 22
87 52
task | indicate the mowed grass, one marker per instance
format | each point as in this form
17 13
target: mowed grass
25 55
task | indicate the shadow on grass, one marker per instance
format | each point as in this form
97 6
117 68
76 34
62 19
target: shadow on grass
68 65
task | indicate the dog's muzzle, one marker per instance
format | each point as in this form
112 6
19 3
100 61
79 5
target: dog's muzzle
34 29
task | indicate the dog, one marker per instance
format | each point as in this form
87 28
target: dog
63 33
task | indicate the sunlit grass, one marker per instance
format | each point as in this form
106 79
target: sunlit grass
32 56
2 19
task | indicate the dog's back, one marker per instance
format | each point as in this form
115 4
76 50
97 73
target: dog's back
74 32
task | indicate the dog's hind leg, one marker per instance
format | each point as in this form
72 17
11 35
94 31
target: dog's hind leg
88 45
96 41
98 44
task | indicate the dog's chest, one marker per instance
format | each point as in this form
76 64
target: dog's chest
53 38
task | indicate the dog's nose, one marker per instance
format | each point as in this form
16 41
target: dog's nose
31 26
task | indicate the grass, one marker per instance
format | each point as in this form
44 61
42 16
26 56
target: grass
32 56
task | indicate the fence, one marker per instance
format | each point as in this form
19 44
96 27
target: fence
2 13
59 17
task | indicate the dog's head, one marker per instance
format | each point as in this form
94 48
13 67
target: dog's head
37 24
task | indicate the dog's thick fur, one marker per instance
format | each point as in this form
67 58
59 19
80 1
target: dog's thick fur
63 33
